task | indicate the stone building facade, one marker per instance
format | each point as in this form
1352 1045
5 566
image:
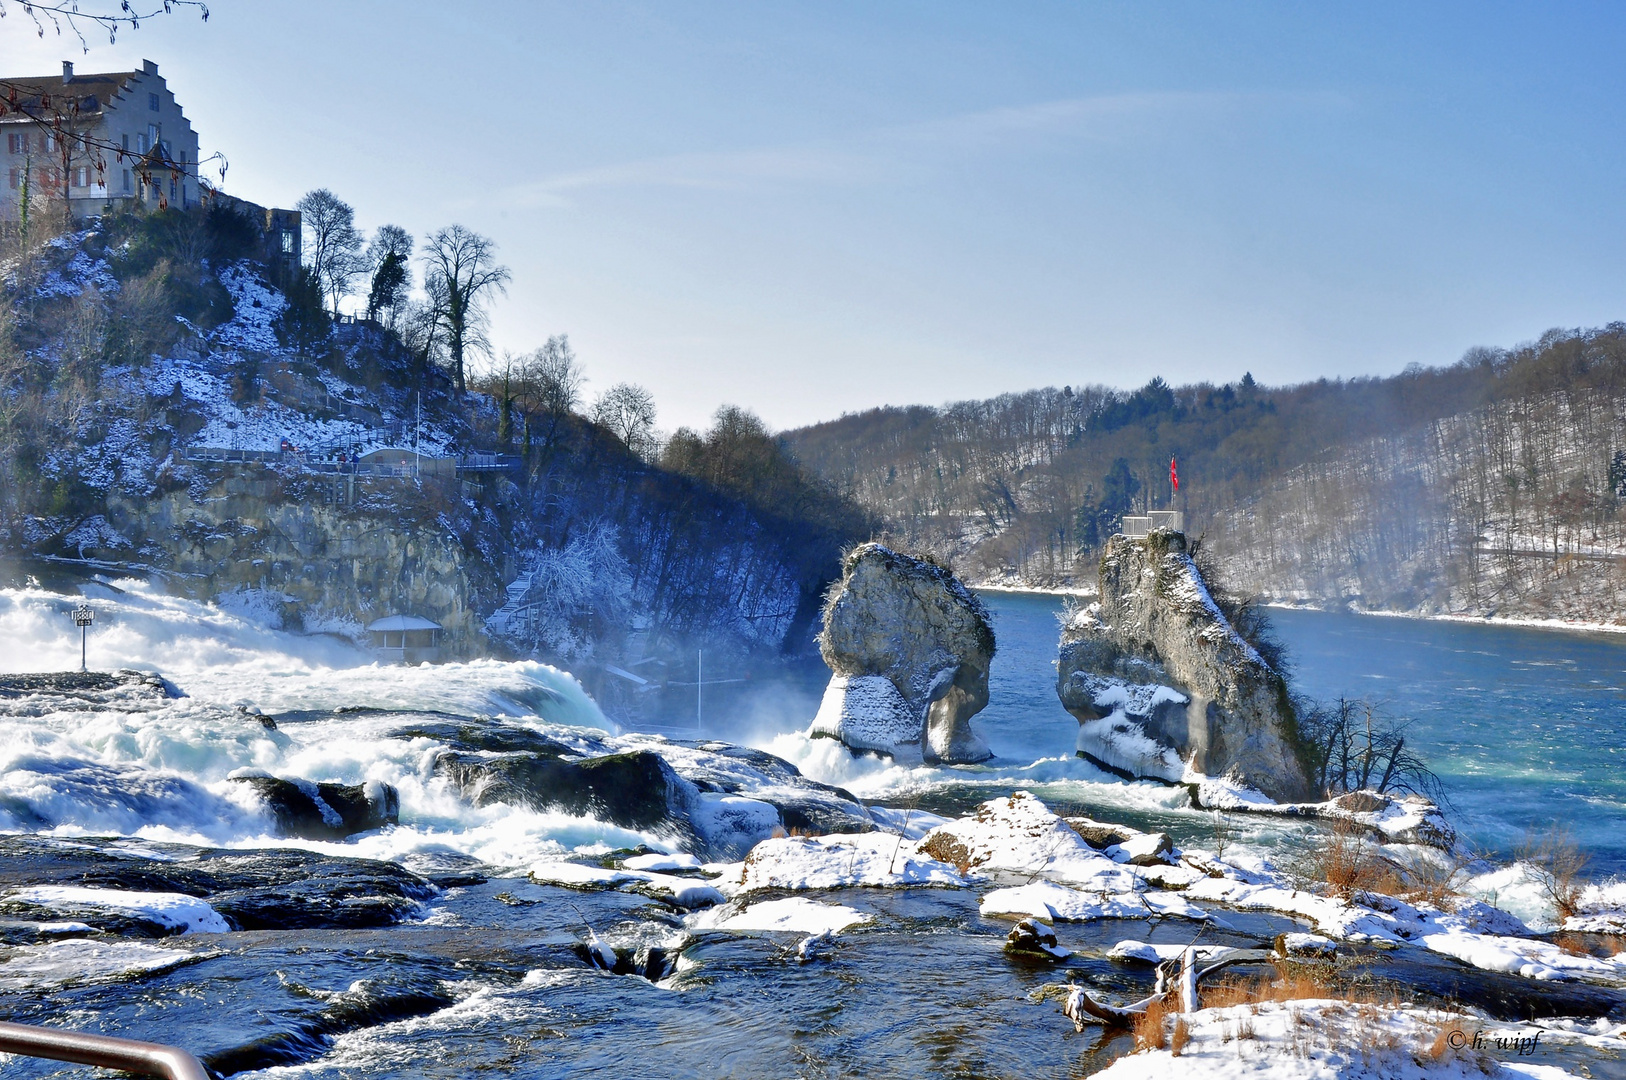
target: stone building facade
104 139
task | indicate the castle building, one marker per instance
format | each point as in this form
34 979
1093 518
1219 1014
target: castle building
103 140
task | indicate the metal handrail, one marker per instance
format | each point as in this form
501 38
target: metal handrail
148 1059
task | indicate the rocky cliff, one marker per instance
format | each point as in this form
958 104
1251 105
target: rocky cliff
314 555
909 648
1165 688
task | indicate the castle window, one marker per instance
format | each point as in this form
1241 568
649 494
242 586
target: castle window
127 180
16 178
152 102
287 236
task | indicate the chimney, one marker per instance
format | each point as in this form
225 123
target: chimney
148 67
67 72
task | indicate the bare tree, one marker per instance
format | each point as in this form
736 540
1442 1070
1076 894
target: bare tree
460 274
556 377
1355 746
334 250
388 259
627 411
80 15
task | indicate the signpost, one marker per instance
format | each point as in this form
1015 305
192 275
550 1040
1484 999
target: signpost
83 616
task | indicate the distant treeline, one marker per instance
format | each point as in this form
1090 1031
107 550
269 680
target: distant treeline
1031 484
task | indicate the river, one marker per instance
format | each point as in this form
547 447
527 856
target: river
486 977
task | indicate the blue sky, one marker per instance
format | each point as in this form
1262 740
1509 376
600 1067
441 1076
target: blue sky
811 209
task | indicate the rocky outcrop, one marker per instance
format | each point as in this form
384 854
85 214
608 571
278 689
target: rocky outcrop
1165 688
38 693
709 798
321 811
304 559
909 649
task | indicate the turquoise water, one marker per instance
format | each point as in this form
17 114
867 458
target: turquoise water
1526 728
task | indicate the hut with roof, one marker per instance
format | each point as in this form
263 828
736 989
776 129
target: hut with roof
405 639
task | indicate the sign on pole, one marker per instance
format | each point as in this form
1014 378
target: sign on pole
83 616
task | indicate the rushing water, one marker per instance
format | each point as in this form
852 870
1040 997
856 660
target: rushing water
1521 724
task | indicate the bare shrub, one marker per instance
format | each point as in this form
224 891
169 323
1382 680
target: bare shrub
1557 861
1346 860
1354 745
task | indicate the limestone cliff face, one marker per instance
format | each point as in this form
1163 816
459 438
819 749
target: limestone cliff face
909 648
316 560
1164 687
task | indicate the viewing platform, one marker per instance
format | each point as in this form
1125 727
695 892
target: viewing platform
1142 525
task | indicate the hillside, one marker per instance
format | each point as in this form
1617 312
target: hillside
166 410
1488 487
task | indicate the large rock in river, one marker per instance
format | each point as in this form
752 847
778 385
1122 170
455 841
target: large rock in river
1165 688
909 647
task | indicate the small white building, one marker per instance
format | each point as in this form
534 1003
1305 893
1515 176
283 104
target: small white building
104 139
405 639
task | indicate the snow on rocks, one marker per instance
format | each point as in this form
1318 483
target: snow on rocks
833 862
256 307
1035 938
1320 1039
1146 952
1021 835
1306 945
794 915
659 861
172 911
1602 909
1475 933
1523 956
683 892
1056 903
1408 819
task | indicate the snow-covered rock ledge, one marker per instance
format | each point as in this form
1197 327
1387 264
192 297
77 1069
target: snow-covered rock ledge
1406 819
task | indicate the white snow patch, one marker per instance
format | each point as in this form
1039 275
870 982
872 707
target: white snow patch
833 862
171 910
1051 902
794 914
658 862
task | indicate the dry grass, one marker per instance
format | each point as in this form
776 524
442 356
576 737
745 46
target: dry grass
1292 982
1349 861
945 848
1180 1036
1601 946
1151 1028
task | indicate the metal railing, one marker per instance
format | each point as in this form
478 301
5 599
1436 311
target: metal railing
145 1058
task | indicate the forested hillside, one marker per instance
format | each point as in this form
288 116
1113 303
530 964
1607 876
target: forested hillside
1490 486
172 407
